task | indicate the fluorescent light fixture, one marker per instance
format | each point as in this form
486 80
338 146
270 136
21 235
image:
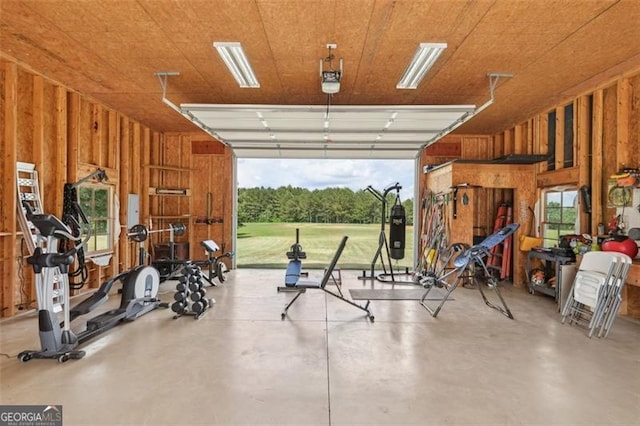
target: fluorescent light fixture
235 59
424 58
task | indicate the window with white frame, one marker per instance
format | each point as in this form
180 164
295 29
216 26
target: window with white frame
560 212
96 202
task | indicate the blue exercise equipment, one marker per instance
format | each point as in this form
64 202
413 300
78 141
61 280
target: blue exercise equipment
294 268
294 284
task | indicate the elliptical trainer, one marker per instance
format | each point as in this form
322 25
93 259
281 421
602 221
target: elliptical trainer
57 340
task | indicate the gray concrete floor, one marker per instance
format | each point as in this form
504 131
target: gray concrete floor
326 364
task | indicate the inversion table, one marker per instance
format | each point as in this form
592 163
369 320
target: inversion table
474 255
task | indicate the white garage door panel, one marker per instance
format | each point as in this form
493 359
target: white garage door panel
312 131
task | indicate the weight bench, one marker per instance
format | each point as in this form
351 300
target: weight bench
293 273
301 286
170 269
216 268
294 268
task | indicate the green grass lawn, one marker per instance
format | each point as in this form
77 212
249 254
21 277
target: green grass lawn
264 245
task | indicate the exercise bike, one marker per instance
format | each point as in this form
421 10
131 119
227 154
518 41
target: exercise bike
57 340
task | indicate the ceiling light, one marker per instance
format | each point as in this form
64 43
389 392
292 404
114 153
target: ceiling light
424 58
235 59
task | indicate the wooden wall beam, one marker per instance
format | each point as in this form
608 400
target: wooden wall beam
73 137
498 145
623 146
597 161
125 190
38 123
113 156
543 142
518 139
185 178
566 176
113 161
530 135
146 171
582 138
634 121
9 204
610 163
508 142
61 144
136 164
559 138
96 134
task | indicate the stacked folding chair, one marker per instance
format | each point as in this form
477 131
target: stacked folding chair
596 293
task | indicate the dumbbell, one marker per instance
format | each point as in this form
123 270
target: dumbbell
200 306
195 286
198 295
181 296
179 307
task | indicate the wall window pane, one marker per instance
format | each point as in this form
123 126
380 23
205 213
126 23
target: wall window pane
560 213
551 141
95 201
567 161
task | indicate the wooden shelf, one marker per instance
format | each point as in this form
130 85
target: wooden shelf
8 234
170 192
184 216
170 168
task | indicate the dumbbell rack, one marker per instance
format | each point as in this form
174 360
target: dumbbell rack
190 296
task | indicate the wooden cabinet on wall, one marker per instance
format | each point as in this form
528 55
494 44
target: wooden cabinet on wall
481 177
631 292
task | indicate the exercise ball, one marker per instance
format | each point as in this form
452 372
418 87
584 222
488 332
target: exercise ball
621 244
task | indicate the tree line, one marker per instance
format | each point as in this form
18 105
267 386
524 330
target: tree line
329 205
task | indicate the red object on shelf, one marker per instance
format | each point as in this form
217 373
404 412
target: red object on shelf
626 246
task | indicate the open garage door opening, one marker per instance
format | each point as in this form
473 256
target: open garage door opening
324 200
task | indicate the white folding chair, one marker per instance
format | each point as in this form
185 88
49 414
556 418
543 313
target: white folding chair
612 304
596 291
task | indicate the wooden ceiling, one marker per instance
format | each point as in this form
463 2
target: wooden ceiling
110 50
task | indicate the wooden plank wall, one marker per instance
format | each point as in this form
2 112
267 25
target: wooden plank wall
606 128
212 198
169 167
479 147
606 139
9 269
67 136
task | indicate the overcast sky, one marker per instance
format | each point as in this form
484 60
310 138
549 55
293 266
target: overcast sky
319 174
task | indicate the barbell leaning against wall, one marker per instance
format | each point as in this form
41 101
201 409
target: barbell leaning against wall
140 232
